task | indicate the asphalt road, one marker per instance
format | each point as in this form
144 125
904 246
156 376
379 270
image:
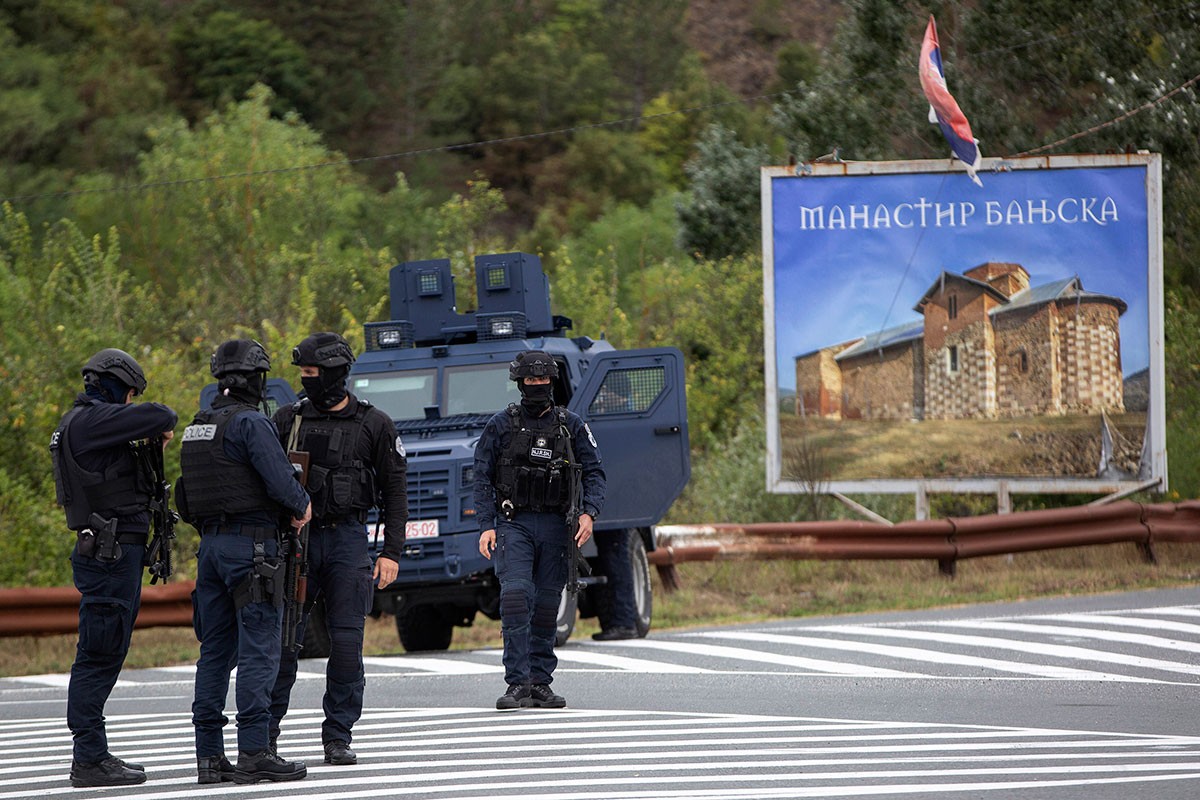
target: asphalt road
1066 699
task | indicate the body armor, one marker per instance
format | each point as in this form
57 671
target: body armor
532 472
121 490
340 483
216 485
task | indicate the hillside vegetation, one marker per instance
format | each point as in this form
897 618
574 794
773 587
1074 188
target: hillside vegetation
173 174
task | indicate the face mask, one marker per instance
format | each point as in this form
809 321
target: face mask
536 398
247 388
326 389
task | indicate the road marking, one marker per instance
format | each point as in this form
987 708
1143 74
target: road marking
603 753
1083 633
744 654
441 666
1121 620
621 663
1036 648
919 654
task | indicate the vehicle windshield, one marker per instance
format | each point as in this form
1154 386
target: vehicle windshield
478 389
401 395
467 389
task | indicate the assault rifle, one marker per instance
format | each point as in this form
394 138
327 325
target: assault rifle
295 563
576 563
162 516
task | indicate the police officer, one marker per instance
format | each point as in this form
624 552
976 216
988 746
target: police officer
356 462
106 495
612 550
236 487
523 465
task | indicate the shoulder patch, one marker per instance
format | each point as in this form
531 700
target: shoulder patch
591 438
400 448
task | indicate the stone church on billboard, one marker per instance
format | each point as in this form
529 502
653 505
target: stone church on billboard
989 345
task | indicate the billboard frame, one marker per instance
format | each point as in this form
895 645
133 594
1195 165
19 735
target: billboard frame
1155 441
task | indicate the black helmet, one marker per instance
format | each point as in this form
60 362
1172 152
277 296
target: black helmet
239 355
532 364
116 364
324 350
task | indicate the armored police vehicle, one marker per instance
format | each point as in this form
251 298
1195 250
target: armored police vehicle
441 374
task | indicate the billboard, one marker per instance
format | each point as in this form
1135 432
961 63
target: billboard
924 333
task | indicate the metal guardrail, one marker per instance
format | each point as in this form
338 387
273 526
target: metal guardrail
41 611
943 540
33 612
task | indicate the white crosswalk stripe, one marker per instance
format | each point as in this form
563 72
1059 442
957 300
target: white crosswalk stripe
1140 646
467 753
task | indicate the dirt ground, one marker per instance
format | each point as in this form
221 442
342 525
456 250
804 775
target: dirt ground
1036 447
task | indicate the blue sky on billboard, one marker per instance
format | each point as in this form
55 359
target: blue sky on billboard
869 246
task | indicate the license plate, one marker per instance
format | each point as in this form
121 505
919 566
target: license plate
422 529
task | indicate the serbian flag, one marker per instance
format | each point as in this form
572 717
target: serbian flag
943 109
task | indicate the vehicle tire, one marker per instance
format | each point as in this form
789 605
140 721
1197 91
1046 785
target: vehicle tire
643 601
568 603
424 628
316 632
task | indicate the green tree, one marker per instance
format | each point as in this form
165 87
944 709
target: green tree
220 56
228 250
719 217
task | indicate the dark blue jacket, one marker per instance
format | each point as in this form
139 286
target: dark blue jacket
100 435
251 438
496 436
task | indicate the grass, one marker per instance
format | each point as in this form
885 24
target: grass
1066 446
750 591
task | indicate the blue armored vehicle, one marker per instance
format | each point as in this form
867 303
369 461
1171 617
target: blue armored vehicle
441 374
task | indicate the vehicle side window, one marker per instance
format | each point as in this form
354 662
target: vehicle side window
629 390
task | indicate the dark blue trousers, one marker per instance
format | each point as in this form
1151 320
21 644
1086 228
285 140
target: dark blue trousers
247 638
612 548
339 569
112 594
531 563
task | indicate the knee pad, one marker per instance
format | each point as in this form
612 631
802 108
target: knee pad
515 599
545 609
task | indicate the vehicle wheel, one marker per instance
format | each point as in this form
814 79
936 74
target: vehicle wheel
643 601
567 605
424 628
316 632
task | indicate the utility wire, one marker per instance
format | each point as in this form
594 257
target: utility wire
1114 121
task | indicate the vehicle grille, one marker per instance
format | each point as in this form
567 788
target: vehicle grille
428 494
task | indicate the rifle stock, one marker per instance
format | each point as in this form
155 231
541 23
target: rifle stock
295 563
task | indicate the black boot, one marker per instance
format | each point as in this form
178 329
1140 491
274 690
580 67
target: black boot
540 696
339 752
614 634
266 766
515 697
214 769
127 765
109 772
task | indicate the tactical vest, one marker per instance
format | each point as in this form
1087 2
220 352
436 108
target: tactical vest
339 482
532 471
216 486
121 490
